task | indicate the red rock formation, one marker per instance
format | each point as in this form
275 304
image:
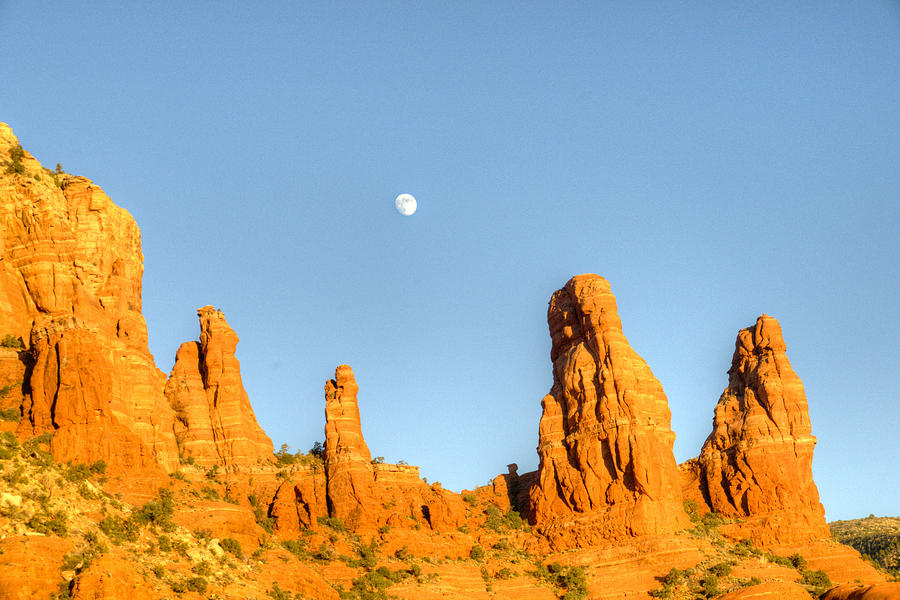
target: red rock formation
348 463
856 591
215 422
29 566
110 577
70 287
606 465
298 504
757 460
771 590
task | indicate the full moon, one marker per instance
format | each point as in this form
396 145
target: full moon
406 204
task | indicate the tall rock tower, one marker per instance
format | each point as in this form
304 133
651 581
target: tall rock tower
214 420
757 462
607 470
348 463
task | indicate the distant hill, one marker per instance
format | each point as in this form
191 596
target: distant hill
876 538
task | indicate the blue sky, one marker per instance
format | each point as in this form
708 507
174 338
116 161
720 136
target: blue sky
714 161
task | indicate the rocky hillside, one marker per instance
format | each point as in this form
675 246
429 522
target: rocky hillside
117 481
876 538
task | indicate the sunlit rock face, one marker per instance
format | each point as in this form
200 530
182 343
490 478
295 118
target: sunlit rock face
348 463
607 470
70 288
757 462
215 423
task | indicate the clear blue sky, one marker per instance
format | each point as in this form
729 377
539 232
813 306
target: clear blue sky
714 161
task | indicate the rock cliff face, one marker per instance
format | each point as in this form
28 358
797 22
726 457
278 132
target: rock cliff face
757 460
214 420
70 288
348 463
606 465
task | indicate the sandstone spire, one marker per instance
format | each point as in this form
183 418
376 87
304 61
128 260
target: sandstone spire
215 422
757 460
606 463
348 463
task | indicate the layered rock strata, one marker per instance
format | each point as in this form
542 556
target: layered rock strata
215 423
607 469
70 288
348 462
757 462
362 494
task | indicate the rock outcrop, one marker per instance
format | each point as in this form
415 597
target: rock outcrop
348 463
757 462
856 591
214 423
362 494
70 288
607 469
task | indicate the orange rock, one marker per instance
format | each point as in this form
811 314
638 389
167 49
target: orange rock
607 470
215 422
348 463
224 520
757 460
298 504
855 591
70 287
29 566
842 563
110 577
771 590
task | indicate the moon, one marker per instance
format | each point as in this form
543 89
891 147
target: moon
406 204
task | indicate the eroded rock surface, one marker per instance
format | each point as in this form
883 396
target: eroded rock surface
856 591
214 420
70 288
757 461
606 465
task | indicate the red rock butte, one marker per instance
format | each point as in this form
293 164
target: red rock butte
607 470
757 462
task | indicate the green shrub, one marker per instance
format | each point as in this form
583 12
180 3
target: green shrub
470 498
334 523
15 166
297 547
504 573
798 561
10 414
266 522
709 586
721 569
665 591
98 467
77 472
195 584
232 546
158 512
11 341
46 523
476 553
324 553
818 580
276 593
119 530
